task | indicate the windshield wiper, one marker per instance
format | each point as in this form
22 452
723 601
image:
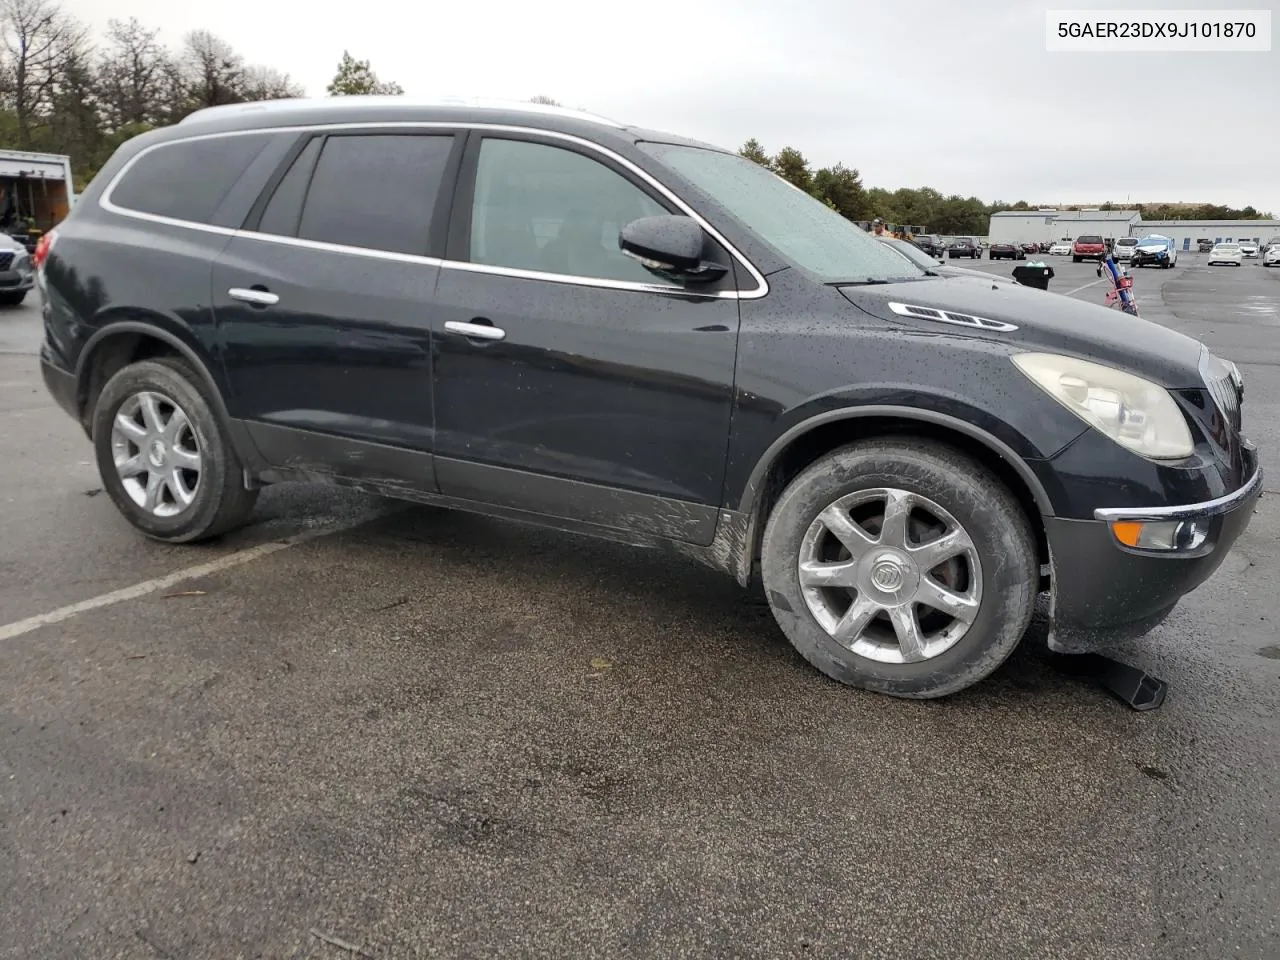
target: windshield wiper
878 281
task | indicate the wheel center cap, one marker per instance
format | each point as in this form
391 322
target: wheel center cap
157 453
887 574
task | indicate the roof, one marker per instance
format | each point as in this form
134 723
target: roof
1098 215
375 110
337 105
1071 214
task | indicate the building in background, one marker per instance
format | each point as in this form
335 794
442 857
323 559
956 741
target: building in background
1045 226
1185 233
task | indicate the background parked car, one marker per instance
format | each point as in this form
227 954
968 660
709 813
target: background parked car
1061 248
1228 252
1005 251
930 243
1029 248
1272 257
1249 249
16 276
1155 250
1088 248
1124 248
1204 246
964 247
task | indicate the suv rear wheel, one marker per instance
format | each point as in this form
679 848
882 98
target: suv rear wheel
164 459
902 567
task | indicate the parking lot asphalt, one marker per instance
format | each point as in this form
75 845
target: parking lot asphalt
384 731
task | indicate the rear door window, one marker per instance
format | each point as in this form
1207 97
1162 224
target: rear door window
187 179
284 210
375 191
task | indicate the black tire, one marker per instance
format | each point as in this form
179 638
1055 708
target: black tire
221 502
11 298
1075 259
974 496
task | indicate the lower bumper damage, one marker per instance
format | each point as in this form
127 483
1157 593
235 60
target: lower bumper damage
1104 591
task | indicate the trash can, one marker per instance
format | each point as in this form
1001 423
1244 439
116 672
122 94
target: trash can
1035 275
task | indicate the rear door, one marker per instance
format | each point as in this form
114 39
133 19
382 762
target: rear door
323 303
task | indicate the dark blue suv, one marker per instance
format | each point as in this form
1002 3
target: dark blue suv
542 315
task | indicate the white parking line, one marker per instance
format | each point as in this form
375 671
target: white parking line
1091 283
19 627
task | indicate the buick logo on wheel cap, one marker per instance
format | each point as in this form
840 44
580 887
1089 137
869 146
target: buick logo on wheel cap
887 575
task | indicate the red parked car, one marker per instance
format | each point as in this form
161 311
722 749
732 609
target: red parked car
1088 248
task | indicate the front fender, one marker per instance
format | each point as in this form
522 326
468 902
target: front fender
938 411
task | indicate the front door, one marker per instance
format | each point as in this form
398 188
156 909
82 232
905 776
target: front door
569 380
323 306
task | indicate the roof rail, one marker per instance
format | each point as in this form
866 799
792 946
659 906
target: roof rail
302 104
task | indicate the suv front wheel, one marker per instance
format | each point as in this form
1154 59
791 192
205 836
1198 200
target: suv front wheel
902 567
164 459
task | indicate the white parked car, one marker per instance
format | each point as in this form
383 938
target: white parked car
1272 257
1061 248
1226 253
1123 249
1249 248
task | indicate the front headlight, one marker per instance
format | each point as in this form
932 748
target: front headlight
1135 413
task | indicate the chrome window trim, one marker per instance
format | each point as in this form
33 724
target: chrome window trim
762 285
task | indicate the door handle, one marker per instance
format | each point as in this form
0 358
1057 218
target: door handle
260 298
479 331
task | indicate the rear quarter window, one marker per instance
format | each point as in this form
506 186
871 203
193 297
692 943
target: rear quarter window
188 179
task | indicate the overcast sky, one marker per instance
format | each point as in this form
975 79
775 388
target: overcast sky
958 96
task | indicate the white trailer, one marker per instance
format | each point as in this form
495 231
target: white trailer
36 190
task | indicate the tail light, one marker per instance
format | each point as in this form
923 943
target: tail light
43 246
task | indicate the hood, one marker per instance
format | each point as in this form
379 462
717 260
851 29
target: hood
1045 321
965 272
1153 246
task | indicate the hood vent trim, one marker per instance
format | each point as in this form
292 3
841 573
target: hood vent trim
938 315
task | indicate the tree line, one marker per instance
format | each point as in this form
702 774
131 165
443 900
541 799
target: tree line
841 188
65 91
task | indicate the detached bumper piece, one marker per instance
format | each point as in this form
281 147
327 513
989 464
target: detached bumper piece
1131 686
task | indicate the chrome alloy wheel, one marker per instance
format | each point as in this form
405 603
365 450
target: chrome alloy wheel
156 453
890 575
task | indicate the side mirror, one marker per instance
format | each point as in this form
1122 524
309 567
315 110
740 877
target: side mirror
671 247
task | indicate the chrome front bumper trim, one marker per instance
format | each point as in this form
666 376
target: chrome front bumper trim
1188 511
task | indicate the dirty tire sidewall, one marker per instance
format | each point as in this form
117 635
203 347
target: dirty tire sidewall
974 496
221 500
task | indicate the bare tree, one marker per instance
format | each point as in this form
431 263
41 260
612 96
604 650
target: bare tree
267 83
213 71
131 74
37 37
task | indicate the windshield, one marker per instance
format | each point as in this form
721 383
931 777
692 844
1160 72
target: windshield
912 253
1089 240
1126 242
800 228
1229 246
1153 241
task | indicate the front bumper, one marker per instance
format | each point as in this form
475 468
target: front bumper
1140 259
1104 592
12 281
